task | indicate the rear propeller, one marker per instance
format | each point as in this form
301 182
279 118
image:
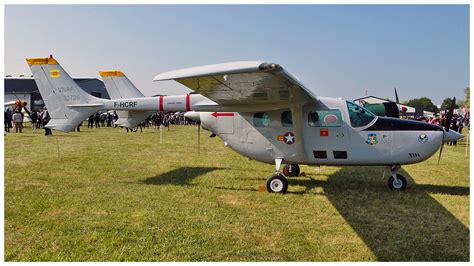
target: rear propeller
447 125
401 108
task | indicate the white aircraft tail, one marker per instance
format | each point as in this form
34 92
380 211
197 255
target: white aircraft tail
120 87
68 105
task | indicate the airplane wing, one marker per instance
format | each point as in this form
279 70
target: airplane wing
243 83
10 103
248 84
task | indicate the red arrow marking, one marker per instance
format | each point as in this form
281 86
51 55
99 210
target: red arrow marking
216 114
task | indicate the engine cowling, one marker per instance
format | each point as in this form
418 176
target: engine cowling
389 109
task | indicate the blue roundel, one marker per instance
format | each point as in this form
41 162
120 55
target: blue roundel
423 138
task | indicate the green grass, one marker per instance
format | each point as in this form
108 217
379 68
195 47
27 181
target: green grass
105 195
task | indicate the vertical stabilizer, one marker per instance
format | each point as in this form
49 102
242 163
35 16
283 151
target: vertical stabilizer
68 105
118 86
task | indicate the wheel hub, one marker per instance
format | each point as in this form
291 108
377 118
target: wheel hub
276 185
397 183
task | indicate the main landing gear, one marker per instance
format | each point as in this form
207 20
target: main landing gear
277 183
291 170
396 181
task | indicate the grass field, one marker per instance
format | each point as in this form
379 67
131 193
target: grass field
105 195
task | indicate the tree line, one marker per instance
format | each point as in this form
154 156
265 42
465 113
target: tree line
428 105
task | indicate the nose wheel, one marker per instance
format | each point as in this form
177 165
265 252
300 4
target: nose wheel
291 170
396 182
277 183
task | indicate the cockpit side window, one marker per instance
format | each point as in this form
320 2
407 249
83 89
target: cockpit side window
325 118
261 120
358 115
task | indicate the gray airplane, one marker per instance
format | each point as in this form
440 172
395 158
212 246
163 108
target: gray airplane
262 112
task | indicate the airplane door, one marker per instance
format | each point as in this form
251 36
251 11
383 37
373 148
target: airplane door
329 139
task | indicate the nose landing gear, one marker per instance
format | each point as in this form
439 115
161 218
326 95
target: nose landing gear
277 183
396 181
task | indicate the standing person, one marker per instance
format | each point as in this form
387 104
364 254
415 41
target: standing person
90 121
38 119
102 119
166 121
109 119
115 117
45 117
18 121
97 120
8 120
454 126
34 117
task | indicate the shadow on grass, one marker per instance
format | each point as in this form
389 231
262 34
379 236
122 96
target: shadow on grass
398 226
179 176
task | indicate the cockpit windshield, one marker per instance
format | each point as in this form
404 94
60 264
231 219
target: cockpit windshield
358 115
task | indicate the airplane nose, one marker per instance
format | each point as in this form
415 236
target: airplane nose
451 135
195 116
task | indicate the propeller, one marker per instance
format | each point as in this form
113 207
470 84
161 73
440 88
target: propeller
402 109
21 104
396 96
447 125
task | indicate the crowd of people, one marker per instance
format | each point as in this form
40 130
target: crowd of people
14 120
458 122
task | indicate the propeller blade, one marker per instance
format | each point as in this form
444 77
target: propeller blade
440 152
449 116
396 96
27 111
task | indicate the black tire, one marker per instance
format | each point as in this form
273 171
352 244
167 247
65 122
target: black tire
401 185
291 170
277 184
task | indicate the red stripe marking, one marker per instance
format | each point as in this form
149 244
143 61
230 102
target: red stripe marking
161 103
188 102
216 114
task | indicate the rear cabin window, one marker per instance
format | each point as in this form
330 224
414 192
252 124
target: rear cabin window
261 120
286 120
325 118
358 115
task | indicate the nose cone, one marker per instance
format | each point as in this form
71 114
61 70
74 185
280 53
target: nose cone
451 135
195 116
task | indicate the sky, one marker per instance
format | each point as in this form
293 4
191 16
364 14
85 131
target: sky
335 50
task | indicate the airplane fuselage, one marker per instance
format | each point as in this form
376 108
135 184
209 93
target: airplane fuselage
334 132
329 136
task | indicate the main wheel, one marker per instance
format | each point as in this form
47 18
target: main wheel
277 184
291 170
399 184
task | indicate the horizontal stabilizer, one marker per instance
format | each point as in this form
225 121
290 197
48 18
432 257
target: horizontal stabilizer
64 125
130 119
